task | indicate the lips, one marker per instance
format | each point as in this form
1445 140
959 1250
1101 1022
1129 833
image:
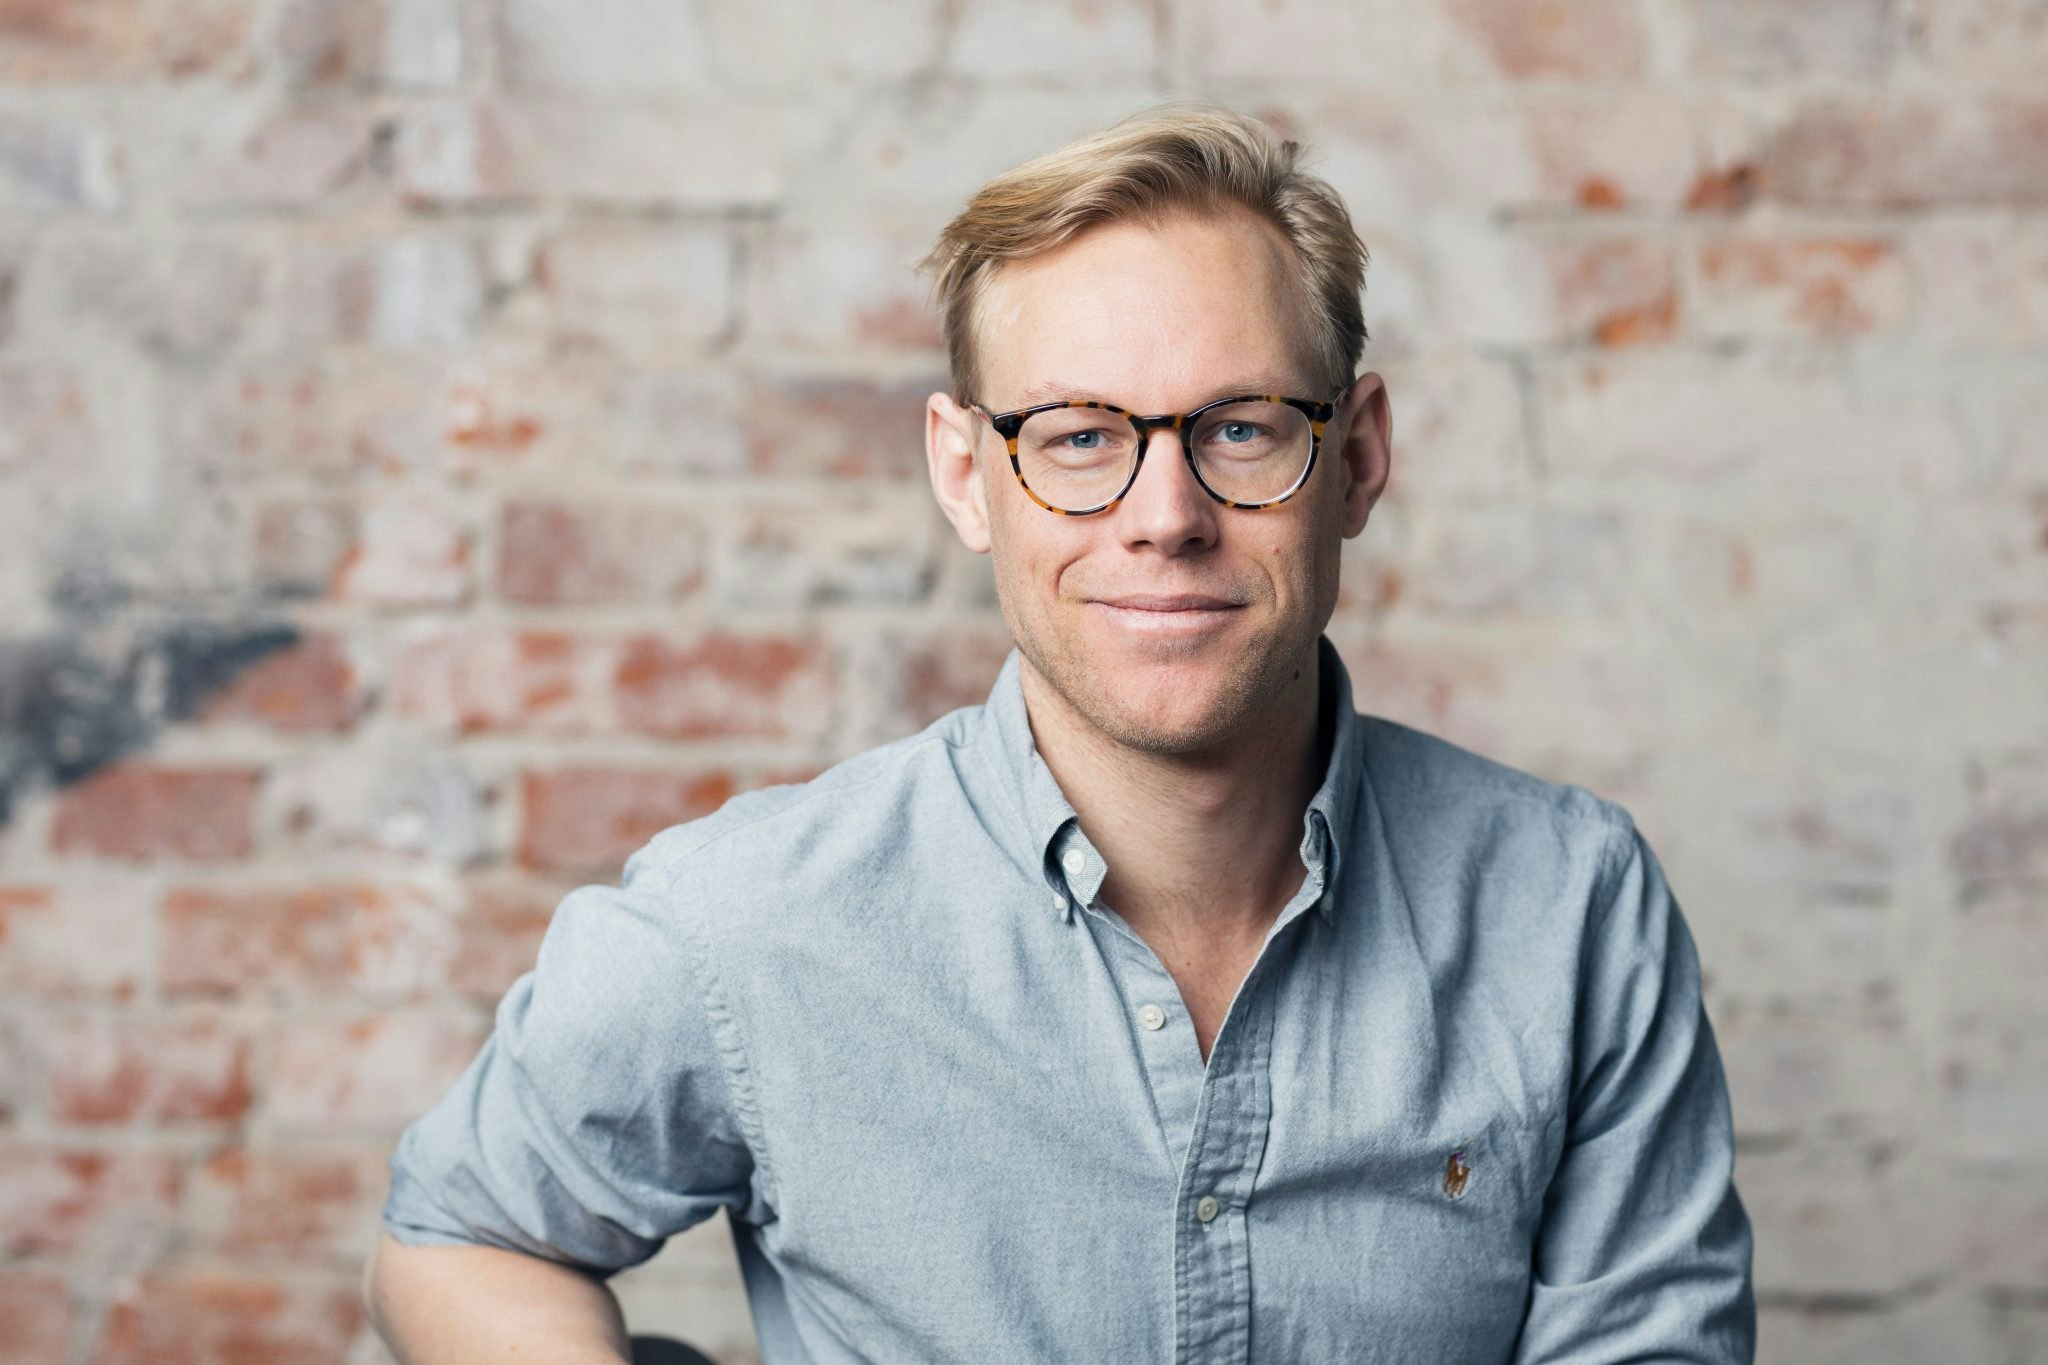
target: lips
1173 602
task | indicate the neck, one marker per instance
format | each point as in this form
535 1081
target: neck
1200 849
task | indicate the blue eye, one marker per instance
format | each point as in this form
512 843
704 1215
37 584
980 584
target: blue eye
1238 431
1081 440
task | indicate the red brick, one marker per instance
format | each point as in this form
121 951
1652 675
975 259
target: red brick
417 290
857 544
56 1200
105 1068
1529 285
68 40
1723 188
303 1206
387 939
721 685
1572 39
376 42
590 819
144 810
96 41
209 38
201 1319
1616 291
371 1072
301 544
842 287
500 936
477 679
1800 286
1623 150
1992 280
35 1315
919 678
413 552
837 428
561 554
77 940
295 156
512 414
336 418
1903 151
310 686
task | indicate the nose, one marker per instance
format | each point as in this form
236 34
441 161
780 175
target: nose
1166 505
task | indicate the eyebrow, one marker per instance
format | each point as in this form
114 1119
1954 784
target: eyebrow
1046 392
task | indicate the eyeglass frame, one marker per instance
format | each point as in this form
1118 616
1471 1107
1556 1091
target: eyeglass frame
1009 425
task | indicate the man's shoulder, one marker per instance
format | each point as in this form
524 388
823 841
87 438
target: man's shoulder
859 806
1428 785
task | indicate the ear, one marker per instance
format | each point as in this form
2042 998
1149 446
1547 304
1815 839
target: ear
1364 445
949 445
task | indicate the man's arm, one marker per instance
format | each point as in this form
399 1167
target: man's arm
595 1123
449 1305
1645 1248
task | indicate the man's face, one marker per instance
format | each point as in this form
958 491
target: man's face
1157 319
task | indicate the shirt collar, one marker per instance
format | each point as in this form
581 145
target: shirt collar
1052 830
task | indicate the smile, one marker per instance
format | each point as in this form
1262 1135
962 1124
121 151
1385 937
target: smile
1180 621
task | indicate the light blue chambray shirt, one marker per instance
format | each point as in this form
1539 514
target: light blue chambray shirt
1466 1106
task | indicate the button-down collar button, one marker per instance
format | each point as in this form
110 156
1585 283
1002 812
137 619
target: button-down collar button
1059 902
1075 860
1151 1016
1205 1207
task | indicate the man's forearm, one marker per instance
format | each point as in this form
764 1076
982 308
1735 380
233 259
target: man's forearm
442 1305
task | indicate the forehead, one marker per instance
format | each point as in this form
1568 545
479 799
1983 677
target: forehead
1155 315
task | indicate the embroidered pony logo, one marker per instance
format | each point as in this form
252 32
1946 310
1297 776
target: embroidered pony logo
1457 1172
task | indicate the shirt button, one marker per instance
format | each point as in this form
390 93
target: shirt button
1151 1016
1205 1208
1075 860
1059 902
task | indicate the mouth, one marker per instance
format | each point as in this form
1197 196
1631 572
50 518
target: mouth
1157 616
1176 602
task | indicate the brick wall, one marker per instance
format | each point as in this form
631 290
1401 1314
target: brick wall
444 441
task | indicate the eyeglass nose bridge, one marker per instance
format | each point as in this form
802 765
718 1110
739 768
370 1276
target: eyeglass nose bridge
1175 422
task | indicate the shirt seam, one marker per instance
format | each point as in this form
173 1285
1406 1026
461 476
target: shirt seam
730 1041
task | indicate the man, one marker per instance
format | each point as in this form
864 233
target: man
1164 1008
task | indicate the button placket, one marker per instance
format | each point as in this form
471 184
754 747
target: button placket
1211 1240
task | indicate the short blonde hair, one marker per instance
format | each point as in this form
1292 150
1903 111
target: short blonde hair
1187 155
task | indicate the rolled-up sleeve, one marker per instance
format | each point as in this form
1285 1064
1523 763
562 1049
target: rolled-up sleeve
598 1118
1644 1252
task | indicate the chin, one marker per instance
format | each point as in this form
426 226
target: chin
1180 712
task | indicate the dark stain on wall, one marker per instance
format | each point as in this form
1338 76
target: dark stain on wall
68 708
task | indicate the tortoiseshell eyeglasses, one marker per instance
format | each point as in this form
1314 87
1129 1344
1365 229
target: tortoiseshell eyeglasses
1250 451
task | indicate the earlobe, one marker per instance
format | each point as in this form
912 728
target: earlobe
955 470
1366 447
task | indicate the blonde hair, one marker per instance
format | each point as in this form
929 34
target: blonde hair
1188 155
